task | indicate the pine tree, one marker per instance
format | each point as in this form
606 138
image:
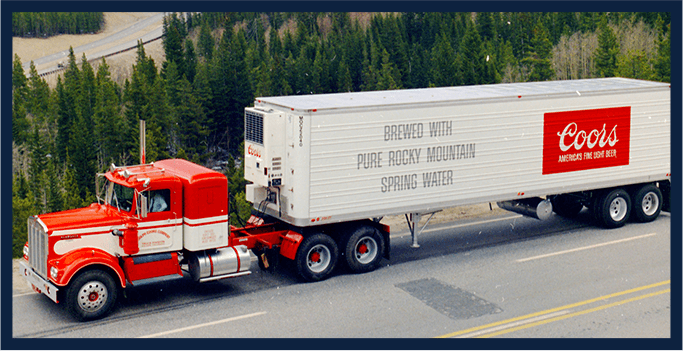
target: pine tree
19 80
486 27
472 57
607 52
371 67
206 42
53 192
662 61
344 82
634 65
67 105
539 55
321 72
190 61
72 197
278 76
444 68
36 178
390 77
161 119
107 119
418 70
173 43
38 95
19 95
22 208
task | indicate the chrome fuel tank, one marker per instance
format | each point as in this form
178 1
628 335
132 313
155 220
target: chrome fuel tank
219 263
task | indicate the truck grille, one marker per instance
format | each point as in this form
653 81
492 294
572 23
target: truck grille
253 127
37 245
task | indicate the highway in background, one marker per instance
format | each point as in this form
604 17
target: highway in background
146 30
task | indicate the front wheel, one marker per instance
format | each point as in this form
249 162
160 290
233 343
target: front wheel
91 295
364 249
316 257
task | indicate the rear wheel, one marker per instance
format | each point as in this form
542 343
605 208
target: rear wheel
363 249
613 208
647 203
316 257
91 295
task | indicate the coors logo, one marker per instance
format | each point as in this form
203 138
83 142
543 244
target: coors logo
586 139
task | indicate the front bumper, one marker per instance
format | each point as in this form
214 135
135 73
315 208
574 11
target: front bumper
37 282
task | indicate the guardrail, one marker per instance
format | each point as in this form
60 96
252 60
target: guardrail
60 69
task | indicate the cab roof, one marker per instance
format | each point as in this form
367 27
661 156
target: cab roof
186 171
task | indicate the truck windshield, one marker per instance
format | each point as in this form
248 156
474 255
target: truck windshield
119 196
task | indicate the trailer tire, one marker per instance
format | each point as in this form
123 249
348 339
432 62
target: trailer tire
647 203
363 249
566 205
91 295
613 208
316 257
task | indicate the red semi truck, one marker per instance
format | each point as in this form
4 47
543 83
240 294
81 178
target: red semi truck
324 170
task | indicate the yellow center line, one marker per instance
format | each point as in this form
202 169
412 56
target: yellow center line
531 315
575 314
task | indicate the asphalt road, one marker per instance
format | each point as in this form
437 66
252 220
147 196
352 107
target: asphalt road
498 277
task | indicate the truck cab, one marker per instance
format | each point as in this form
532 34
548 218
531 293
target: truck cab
154 220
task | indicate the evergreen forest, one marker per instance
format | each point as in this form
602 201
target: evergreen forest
217 63
46 24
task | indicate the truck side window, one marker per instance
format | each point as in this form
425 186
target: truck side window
159 200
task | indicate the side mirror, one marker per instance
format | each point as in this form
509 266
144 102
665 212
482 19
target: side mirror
142 205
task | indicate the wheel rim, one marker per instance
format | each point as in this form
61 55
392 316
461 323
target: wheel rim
618 209
319 258
366 250
92 296
650 203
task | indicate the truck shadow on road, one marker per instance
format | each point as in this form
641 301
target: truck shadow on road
440 241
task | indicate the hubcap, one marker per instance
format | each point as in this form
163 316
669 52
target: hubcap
618 209
319 258
650 203
92 296
366 250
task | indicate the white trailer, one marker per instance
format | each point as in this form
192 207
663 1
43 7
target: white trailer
315 160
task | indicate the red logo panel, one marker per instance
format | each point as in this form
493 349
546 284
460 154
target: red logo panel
586 139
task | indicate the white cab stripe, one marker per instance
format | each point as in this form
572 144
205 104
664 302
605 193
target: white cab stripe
93 230
205 220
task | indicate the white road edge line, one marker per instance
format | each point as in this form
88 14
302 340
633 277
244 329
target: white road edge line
585 247
464 225
231 319
511 325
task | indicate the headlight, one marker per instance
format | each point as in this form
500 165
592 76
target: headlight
26 250
53 272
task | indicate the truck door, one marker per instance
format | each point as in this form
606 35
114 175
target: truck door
160 231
